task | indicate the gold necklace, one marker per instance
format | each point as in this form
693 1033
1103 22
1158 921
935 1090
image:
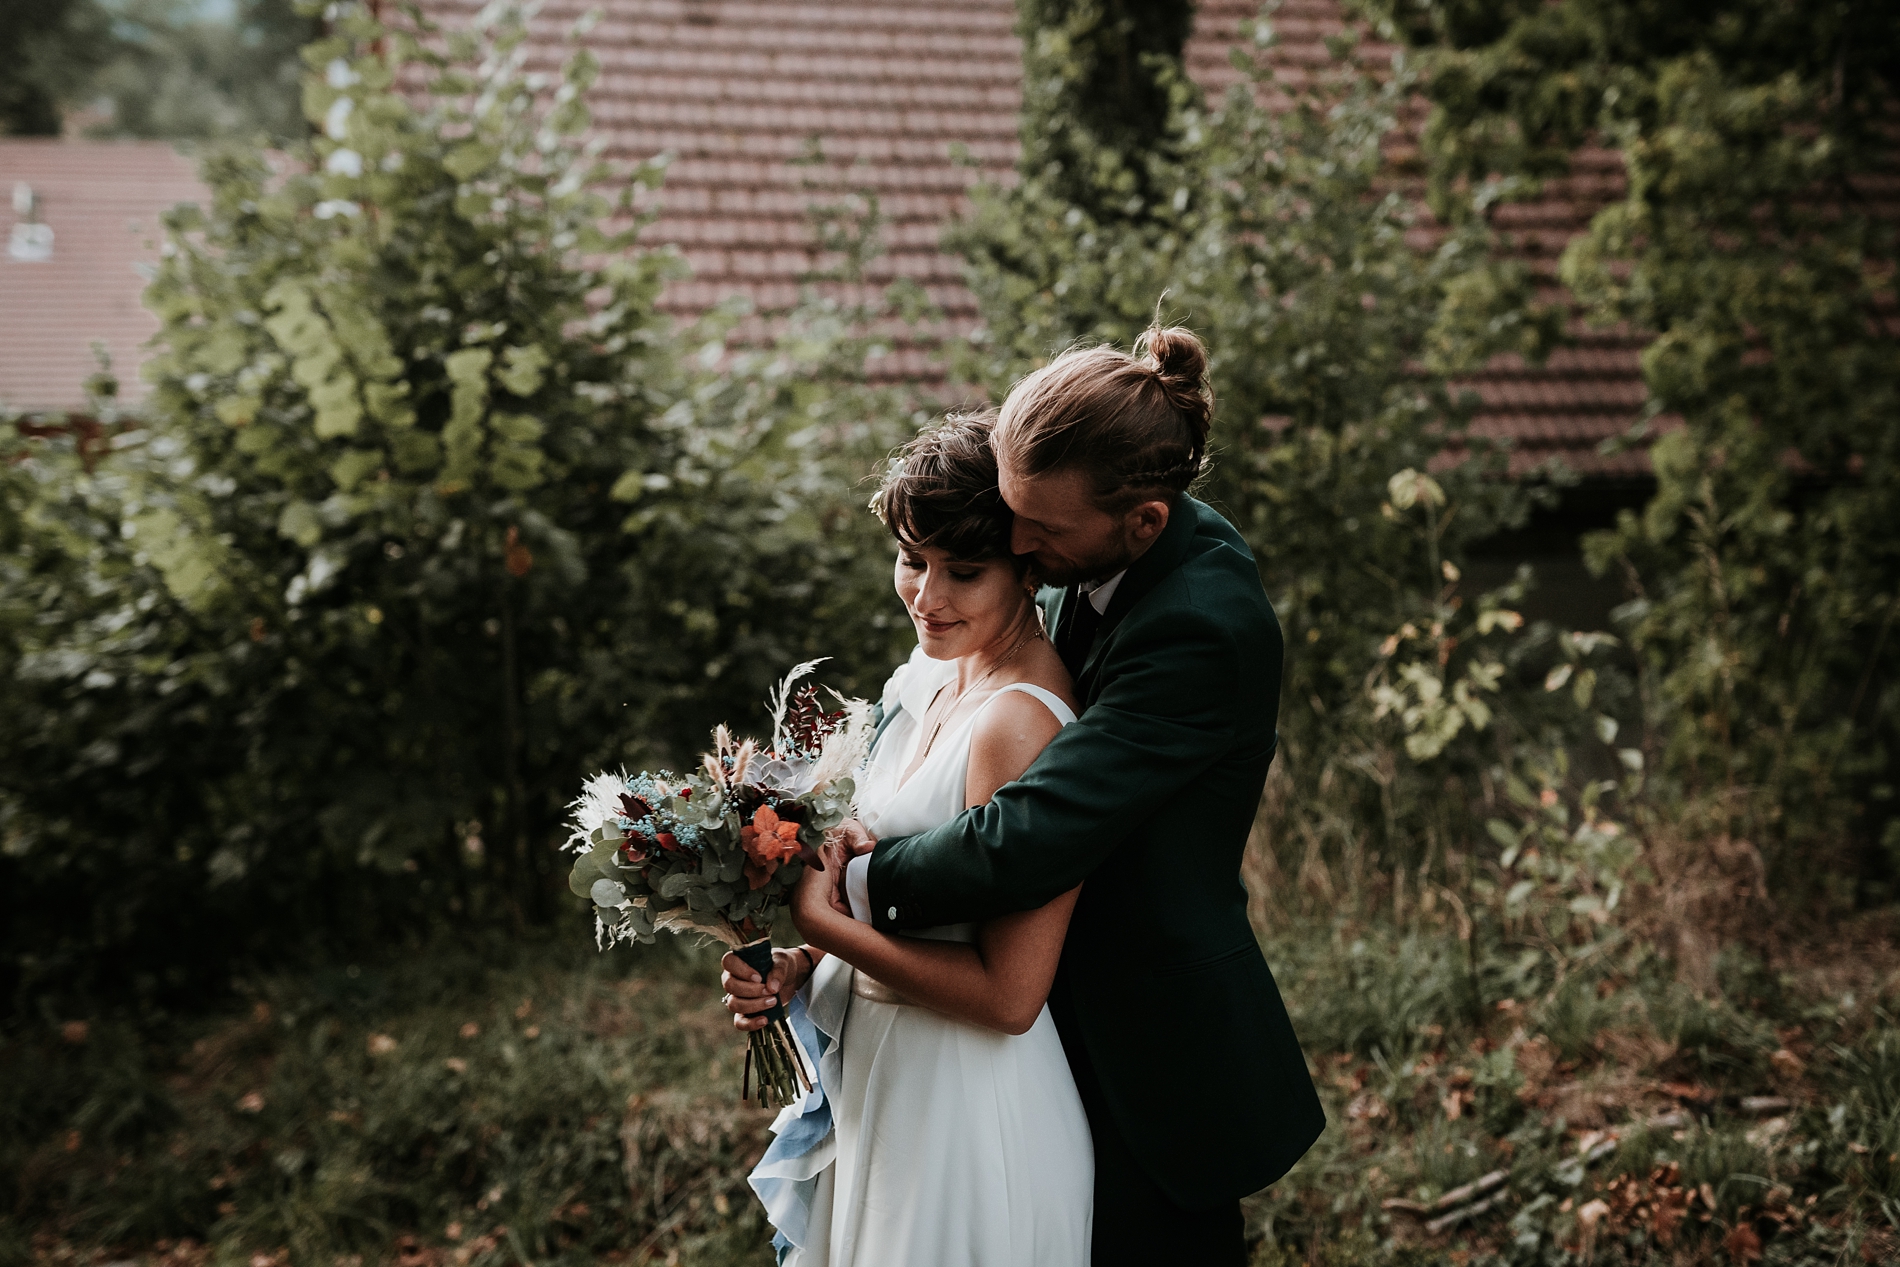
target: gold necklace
1028 635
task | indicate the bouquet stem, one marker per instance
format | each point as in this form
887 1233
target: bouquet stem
772 1052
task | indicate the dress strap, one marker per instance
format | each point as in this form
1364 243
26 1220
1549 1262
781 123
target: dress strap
1049 699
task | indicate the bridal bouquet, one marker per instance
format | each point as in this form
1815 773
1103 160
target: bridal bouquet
717 851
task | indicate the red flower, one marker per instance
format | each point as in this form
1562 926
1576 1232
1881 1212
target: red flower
666 840
769 843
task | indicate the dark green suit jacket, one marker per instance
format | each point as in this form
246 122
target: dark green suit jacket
1149 798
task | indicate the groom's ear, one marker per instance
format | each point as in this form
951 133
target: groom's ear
1146 520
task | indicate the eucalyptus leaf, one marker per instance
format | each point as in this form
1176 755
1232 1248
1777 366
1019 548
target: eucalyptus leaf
582 877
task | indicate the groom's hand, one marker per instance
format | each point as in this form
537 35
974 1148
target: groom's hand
746 995
853 837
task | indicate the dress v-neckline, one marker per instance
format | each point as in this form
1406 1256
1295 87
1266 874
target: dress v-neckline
905 776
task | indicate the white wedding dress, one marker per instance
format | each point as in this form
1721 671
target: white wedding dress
951 1145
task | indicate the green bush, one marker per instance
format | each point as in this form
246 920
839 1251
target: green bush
430 514
1765 573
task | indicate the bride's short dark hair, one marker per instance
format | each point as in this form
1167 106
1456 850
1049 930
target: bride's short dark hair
940 490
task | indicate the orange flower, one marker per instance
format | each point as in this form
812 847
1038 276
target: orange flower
769 843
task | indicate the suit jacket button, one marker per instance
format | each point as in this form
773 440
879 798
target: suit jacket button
891 914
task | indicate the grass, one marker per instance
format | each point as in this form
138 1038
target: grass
538 1103
1636 1120
545 1105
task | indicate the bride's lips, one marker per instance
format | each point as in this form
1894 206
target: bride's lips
937 626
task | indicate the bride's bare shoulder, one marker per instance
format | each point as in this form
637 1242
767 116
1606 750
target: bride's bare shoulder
1010 733
1043 667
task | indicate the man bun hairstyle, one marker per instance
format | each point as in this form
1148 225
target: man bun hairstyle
940 491
1135 425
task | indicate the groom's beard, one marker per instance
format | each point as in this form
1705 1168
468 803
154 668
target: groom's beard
1062 573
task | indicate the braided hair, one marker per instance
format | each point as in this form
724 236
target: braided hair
1135 425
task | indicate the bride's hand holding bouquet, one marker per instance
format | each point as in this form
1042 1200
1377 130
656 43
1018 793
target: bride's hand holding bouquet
817 895
719 851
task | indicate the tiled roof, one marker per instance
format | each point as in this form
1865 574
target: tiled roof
915 102
738 90
102 201
1587 391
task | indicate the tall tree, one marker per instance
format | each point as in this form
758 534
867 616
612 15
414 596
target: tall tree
1102 162
159 68
179 73
1109 69
53 48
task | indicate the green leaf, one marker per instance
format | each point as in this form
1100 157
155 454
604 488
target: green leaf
352 467
469 159
299 523
523 369
582 877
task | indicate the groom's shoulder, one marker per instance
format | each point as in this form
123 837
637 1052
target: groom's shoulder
1219 580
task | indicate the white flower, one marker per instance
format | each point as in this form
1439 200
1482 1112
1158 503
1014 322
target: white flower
331 207
344 163
338 74
598 802
846 747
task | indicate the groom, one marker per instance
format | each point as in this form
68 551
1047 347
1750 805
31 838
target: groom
1195 1087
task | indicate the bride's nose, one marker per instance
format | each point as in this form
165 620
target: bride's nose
930 597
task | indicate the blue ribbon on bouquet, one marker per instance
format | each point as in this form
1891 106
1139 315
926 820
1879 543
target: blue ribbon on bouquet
786 1178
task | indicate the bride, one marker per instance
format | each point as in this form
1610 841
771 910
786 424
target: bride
957 1138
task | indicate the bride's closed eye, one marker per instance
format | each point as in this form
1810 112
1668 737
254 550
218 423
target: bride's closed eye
915 564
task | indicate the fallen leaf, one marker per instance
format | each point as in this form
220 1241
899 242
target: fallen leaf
1671 1205
381 1044
251 1103
471 1029
1742 1244
456 1064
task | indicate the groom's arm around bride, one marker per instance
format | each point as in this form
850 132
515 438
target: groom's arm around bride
1195 1085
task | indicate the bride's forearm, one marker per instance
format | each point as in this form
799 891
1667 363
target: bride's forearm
948 977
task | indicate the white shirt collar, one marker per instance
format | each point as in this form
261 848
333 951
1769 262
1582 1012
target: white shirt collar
1101 593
